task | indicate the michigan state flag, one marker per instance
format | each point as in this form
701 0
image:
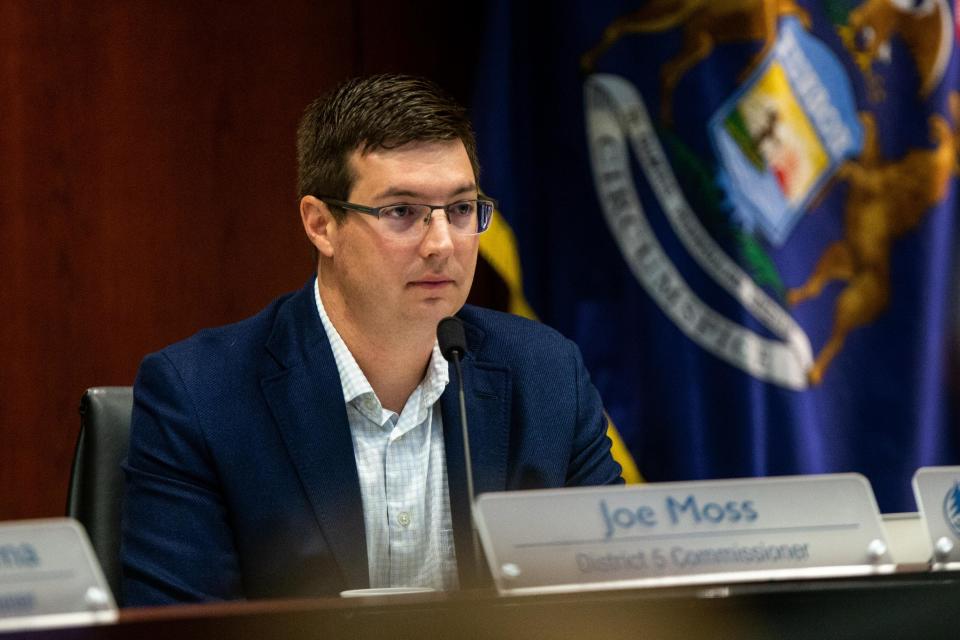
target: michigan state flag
743 213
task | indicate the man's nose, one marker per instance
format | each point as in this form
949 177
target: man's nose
438 238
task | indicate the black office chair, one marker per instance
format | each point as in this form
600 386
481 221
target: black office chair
96 480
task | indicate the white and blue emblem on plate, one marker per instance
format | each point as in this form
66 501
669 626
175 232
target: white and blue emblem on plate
951 508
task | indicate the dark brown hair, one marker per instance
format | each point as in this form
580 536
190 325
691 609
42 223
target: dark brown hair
377 112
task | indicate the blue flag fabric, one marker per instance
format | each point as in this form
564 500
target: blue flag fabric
743 213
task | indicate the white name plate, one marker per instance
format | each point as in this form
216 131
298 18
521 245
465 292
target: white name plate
682 533
50 577
937 490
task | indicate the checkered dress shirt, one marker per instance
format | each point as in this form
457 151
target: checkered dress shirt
403 474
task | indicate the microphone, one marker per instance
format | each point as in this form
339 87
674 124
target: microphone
453 345
452 339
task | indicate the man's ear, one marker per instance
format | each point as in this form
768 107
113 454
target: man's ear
319 223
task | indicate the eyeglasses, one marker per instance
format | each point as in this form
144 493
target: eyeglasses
401 221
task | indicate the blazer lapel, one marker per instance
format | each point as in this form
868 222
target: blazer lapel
487 398
306 400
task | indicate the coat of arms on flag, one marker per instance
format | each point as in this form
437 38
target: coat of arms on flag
775 181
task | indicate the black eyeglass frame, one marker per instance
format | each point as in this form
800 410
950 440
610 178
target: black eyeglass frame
375 211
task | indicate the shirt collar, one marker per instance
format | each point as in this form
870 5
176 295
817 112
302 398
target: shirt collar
355 383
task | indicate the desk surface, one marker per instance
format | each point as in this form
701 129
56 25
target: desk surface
899 606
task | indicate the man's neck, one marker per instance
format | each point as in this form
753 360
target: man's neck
393 362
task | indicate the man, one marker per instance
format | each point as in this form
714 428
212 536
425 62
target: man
315 447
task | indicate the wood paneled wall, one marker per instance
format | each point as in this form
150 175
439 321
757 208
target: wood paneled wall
147 183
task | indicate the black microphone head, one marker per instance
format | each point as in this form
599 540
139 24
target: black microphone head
451 337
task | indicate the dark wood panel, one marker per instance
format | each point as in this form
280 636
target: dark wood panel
147 189
900 606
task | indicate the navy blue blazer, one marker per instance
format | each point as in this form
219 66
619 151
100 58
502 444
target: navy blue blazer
241 479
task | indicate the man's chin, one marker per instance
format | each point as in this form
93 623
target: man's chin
433 310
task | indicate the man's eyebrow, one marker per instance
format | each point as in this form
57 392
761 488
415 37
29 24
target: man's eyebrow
394 192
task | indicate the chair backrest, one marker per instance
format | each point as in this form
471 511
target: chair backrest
96 481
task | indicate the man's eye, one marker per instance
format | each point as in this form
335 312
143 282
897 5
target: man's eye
465 208
398 211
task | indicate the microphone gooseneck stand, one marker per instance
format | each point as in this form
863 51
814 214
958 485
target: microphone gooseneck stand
453 344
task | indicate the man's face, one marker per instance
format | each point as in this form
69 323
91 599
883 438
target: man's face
391 285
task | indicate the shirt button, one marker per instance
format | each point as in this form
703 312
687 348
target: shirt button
403 518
